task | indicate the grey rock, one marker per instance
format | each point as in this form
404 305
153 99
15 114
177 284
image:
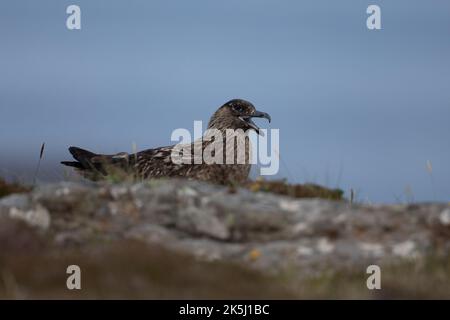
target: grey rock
263 231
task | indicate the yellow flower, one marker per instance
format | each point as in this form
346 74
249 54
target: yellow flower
254 254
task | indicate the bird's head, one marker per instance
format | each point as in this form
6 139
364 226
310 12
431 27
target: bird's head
237 114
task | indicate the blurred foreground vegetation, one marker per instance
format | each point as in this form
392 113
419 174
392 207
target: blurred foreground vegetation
281 187
7 188
33 267
132 270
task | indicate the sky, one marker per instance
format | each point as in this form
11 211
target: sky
356 108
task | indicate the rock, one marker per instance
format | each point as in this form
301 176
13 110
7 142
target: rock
445 217
263 231
20 207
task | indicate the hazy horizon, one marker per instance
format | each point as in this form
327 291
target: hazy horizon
356 108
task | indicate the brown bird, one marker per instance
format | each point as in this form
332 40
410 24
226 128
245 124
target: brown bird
159 162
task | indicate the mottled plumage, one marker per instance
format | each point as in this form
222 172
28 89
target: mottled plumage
154 163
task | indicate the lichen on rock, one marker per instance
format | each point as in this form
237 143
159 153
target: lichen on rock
272 234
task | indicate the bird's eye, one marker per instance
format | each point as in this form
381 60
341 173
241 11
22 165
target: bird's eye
238 108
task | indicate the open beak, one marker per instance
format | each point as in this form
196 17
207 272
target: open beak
256 114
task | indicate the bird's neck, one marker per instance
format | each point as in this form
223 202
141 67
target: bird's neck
234 143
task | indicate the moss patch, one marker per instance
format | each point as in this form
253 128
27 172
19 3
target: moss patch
295 190
7 188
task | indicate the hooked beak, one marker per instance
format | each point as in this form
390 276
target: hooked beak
256 114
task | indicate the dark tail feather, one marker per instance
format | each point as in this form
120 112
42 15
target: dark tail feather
74 164
83 158
81 155
86 161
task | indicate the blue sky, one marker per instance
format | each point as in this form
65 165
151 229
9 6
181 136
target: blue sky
356 108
